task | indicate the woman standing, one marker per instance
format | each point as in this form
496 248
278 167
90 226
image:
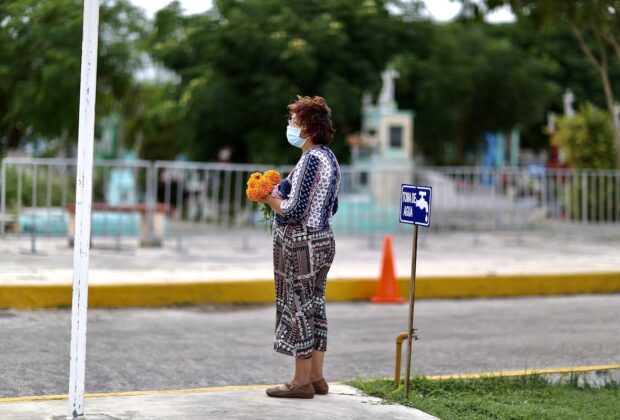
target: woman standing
304 247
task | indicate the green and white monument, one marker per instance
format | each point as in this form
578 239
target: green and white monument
385 142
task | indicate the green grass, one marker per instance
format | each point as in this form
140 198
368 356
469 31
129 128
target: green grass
500 398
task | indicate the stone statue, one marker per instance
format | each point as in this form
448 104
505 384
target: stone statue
568 98
386 98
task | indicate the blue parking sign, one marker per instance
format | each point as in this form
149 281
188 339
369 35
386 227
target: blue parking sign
415 205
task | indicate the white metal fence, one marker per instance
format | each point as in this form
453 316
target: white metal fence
176 199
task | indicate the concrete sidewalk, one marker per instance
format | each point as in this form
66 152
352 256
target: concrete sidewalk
235 255
343 402
236 267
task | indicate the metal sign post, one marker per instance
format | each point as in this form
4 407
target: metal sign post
415 209
83 201
414 257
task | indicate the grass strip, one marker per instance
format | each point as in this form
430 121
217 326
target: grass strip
528 397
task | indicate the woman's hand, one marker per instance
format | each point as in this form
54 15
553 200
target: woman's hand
273 202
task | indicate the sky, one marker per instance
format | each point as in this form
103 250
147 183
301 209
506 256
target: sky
440 10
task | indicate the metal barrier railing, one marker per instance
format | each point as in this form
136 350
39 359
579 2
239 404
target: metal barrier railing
36 193
36 196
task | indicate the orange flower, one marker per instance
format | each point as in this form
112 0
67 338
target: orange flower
253 178
264 187
260 186
253 194
272 176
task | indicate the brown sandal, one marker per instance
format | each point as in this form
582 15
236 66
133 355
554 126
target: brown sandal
320 387
292 391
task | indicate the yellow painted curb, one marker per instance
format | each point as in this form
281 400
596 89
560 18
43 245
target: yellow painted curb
526 372
133 393
61 397
514 285
120 295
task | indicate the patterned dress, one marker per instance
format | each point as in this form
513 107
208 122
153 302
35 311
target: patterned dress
303 251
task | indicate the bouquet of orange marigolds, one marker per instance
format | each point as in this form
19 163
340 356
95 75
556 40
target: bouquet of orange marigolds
259 187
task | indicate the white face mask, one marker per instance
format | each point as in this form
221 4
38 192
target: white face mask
293 136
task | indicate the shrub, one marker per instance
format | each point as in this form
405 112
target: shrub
587 139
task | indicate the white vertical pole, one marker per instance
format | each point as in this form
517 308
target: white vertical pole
83 200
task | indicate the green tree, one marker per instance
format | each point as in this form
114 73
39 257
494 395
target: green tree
40 52
468 78
243 62
151 121
594 25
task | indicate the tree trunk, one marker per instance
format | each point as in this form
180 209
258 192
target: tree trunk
610 37
609 99
601 65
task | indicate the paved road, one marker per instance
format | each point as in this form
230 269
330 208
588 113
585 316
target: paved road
145 349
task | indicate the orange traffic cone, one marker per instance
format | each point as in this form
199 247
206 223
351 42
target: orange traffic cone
387 289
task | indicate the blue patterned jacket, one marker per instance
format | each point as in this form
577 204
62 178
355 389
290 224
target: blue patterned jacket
313 196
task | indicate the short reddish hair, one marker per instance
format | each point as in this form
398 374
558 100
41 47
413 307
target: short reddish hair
314 117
